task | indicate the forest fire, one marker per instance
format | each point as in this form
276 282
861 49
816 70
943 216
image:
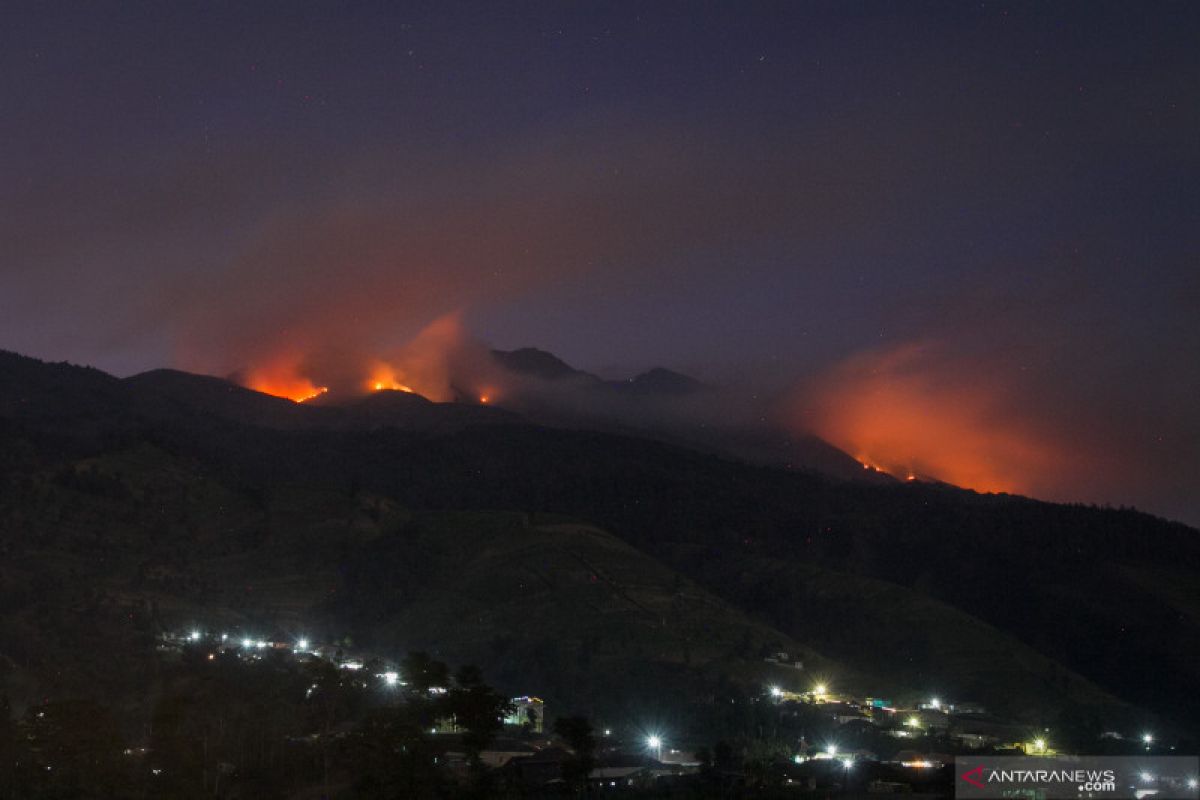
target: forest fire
381 386
912 412
440 362
286 384
320 390
383 378
299 381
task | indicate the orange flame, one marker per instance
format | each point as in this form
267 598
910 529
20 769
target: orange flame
284 380
298 390
383 378
914 411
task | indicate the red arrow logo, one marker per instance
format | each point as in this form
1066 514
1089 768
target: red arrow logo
974 777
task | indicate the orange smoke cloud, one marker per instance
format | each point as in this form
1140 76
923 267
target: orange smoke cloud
442 362
429 361
383 378
918 411
348 272
282 377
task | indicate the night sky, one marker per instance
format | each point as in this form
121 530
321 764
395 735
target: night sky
963 237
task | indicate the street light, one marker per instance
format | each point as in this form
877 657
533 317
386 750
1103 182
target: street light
1147 739
655 744
195 636
302 644
391 678
831 750
935 703
776 691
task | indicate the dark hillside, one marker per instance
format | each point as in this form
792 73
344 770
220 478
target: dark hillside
1102 592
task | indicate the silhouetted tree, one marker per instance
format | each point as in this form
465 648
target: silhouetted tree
391 757
478 711
331 702
422 673
77 750
13 756
576 732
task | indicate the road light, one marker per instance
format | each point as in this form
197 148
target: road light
195 636
1039 745
302 644
776 691
1147 777
847 763
655 744
1193 783
391 678
831 750
1147 739
935 703
247 643
819 689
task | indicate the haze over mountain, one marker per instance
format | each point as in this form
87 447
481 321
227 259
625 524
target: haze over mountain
670 405
964 244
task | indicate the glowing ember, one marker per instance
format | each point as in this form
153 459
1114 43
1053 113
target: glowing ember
320 390
381 386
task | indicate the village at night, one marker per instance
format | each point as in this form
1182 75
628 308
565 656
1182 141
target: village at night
524 400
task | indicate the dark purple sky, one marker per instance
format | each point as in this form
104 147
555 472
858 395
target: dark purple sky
800 194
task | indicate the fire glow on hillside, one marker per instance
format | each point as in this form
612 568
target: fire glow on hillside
283 380
441 363
383 378
299 389
912 412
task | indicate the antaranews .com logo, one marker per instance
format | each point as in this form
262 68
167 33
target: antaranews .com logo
1069 777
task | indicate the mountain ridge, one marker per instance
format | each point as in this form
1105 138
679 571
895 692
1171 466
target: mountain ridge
1003 560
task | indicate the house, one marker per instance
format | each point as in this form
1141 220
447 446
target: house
503 750
619 777
538 769
527 711
974 741
784 660
970 708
